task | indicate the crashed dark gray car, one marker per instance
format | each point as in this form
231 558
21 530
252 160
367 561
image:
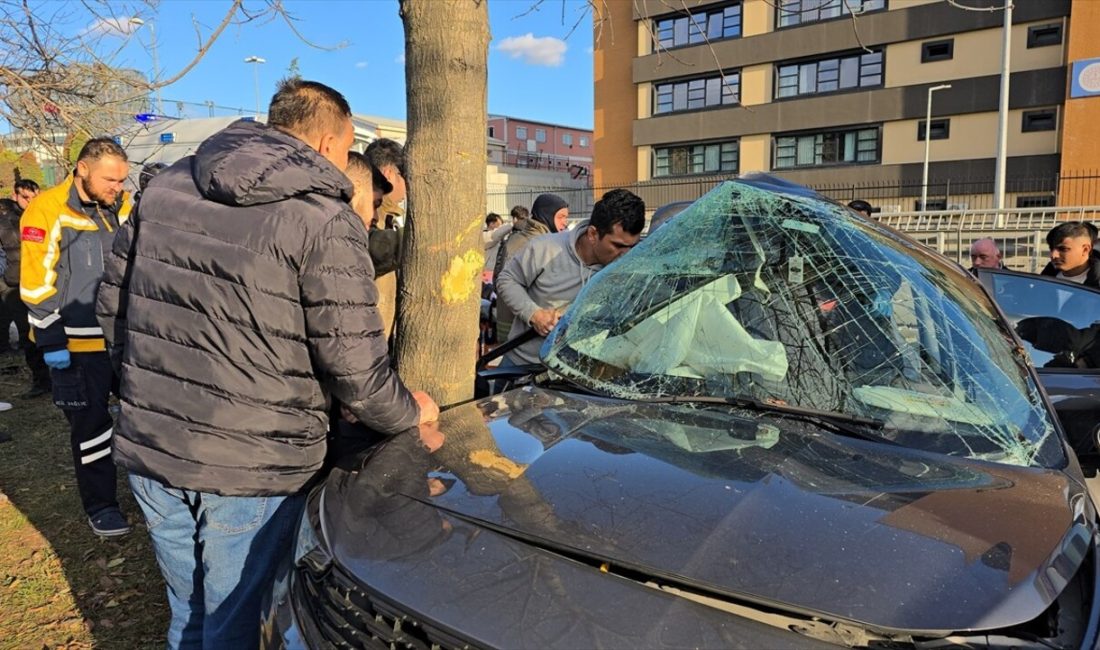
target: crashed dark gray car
771 425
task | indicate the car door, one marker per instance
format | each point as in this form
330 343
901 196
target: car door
1059 323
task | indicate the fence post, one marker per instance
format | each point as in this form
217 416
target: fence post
1038 246
941 242
959 242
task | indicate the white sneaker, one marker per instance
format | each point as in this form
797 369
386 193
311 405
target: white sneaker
4 406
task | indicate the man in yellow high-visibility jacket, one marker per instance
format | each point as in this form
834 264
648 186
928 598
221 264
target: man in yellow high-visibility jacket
65 234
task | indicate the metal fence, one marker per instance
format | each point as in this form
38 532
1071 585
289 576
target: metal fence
1067 189
1020 234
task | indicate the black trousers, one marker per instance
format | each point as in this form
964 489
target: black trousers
81 392
12 309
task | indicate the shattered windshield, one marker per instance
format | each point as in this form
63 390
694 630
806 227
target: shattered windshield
763 293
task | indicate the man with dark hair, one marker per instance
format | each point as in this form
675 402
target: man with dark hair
66 234
519 213
862 207
540 282
1071 255
495 232
388 157
549 214
12 308
384 245
239 305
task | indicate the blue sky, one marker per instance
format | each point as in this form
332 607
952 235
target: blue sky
533 72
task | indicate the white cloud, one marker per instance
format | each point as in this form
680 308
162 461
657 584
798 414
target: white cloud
545 50
362 64
400 60
114 26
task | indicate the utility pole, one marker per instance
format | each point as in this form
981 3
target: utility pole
1002 111
927 145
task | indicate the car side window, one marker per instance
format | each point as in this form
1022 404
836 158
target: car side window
1058 323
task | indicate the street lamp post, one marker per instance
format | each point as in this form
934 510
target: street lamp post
138 22
255 60
927 144
1002 111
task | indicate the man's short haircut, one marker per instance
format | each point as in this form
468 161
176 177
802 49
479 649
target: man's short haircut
384 152
1070 229
307 108
491 218
359 166
97 148
621 207
859 205
520 212
26 184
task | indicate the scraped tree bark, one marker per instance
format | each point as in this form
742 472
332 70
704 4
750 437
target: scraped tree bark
446 53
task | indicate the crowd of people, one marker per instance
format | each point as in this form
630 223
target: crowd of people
242 312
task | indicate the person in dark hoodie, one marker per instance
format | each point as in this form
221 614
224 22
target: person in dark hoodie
1071 254
549 214
240 303
12 308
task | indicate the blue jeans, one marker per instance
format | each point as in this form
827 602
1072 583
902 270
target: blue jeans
219 556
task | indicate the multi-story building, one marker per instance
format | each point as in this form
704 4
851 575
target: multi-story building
542 145
834 92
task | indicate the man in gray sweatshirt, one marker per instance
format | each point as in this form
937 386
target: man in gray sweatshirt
544 278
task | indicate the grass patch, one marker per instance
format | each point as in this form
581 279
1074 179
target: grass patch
60 585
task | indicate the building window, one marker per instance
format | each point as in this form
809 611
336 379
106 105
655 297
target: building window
540 135
1045 120
567 139
492 132
702 158
521 132
697 93
699 27
1044 35
854 146
799 12
584 141
941 129
933 204
829 75
937 51
1042 201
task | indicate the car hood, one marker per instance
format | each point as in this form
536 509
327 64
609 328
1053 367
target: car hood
737 506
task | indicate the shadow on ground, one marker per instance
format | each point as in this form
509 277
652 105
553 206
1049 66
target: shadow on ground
60 586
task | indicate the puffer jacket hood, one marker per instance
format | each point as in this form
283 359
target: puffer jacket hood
249 163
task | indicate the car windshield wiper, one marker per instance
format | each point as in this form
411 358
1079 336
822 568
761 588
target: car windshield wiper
840 423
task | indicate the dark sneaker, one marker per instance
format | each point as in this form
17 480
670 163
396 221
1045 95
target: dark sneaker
36 391
109 523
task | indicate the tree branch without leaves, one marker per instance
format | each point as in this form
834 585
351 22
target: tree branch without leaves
61 72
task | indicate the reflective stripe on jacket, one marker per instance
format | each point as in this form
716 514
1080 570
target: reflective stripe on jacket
61 265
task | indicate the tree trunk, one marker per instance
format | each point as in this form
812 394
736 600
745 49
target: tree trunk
446 53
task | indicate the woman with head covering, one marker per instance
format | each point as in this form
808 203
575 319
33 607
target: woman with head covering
550 213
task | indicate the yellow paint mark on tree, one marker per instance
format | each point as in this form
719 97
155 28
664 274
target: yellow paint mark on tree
460 280
492 460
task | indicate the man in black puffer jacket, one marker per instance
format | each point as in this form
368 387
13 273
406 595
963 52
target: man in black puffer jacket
238 302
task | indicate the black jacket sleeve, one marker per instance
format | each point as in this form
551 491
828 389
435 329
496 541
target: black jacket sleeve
385 250
111 299
344 329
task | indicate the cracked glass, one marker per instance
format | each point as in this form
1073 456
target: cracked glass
764 291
